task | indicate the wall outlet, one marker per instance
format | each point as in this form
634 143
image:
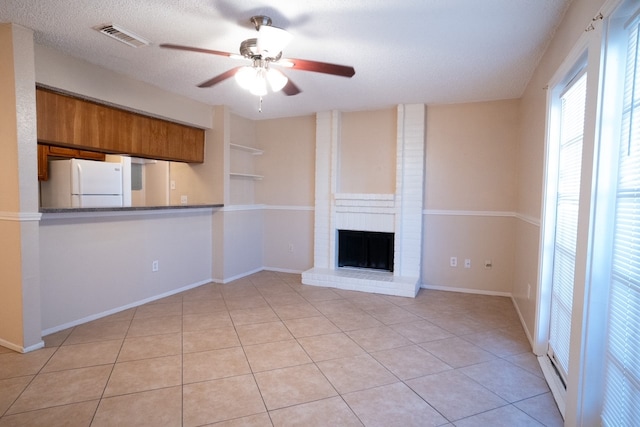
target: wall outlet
467 263
453 261
183 199
155 266
290 247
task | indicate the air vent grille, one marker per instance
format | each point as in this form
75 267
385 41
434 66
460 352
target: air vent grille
122 35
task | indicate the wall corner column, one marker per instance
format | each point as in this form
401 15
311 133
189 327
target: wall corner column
20 308
409 190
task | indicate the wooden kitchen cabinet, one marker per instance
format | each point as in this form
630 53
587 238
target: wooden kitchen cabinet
73 153
68 122
47 151
43 165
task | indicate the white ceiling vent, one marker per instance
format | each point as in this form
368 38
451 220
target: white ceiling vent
120 34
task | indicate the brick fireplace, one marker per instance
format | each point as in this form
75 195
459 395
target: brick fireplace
399 213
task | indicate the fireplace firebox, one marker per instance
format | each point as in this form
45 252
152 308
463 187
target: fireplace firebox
365 249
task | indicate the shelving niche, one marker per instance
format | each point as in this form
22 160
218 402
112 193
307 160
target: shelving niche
242 173
254 151
242 162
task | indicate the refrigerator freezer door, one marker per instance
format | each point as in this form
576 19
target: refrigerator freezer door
90 177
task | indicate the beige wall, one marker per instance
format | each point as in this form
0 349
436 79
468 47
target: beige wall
470 156
288 162
288 239
478 238
368 152
287 191
470 195
156 180
10 198
201 183
530 156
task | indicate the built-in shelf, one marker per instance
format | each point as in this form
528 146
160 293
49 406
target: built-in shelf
254 151
245 175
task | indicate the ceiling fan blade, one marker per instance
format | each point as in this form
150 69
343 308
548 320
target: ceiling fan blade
217 79
318 67
196 49
291 89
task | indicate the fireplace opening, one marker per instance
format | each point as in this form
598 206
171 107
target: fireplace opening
365 249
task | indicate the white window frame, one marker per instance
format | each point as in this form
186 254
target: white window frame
577 402
574 66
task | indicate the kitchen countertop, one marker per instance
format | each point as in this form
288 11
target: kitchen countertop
127 208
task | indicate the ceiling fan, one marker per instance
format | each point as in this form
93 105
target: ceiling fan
264 51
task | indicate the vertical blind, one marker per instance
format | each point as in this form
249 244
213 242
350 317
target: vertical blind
566 225
622 373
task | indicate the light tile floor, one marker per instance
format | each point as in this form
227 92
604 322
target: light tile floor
267 350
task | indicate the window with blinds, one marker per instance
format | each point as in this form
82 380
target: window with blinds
622 373
572 109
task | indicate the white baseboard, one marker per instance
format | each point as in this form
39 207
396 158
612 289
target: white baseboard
283 270
257 270
238 276
466 290
522 322
19 348
122 308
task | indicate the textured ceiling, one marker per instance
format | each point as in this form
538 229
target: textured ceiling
403 51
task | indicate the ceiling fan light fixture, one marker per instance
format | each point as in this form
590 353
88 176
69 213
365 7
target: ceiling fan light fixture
259 84
245 77
276 79
272 40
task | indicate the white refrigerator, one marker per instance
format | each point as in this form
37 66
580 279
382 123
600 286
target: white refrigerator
77 183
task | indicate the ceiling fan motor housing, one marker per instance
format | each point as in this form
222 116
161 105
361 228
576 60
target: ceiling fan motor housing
249 49
260 20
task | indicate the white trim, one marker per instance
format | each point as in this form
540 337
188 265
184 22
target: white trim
528 219
20 216
508 214
238 208
122 308
523 323
20 349
235 208
237 276
289 208
364 196
283 270
466 290
468 213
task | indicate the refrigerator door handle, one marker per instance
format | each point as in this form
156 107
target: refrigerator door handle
79 167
